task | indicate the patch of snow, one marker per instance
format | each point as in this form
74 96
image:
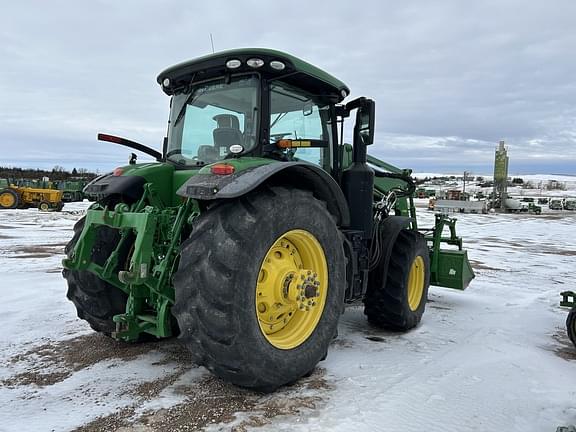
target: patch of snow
482 360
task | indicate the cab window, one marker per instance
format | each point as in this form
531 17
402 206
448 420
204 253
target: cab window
211 117
297 116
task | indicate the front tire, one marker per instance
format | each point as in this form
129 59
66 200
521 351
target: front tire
247 308
399 302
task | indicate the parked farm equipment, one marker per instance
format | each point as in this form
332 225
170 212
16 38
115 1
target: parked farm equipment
555 204
569 300
424 193
526 205
257 225
570 204
72 190
21 197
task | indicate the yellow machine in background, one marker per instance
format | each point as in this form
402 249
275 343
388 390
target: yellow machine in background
16 197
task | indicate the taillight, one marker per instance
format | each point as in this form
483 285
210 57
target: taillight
222 169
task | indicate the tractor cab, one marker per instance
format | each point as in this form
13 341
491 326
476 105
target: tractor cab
251 102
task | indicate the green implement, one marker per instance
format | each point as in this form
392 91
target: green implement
449 267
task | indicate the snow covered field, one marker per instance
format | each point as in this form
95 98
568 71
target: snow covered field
492 358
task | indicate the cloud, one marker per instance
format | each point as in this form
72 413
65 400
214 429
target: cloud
450 78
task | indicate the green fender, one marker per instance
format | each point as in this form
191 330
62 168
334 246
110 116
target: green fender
303 175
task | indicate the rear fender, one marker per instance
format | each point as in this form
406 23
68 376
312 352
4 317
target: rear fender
128 188
207 187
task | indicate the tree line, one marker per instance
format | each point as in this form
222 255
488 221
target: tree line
57 173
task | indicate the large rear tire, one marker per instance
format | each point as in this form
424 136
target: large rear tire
260 287
571 325
9 199
96 301
399 302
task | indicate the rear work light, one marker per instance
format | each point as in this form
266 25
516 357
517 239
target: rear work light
233 64
222 169
255 63
277 65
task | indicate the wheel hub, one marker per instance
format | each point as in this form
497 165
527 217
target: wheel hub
291 289
7 199
303 289
416 283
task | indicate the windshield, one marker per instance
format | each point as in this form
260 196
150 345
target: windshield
210 118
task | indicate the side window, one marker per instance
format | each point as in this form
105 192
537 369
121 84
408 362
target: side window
296 116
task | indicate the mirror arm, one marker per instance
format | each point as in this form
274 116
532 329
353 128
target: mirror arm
356 103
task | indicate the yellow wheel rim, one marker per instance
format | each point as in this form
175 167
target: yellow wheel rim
7 199
416 283
291 289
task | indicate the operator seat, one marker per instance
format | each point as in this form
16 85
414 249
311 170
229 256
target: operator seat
227 133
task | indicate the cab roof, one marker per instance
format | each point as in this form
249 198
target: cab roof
297 72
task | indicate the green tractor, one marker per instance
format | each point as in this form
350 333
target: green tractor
256 225
72 190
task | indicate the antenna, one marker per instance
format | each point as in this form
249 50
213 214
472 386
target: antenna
212 42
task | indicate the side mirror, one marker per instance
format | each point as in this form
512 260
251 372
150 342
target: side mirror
364 128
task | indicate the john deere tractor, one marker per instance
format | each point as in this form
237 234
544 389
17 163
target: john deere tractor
256 225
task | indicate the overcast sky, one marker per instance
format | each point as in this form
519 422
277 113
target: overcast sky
450 78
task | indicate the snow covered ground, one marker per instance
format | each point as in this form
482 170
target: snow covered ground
492 358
